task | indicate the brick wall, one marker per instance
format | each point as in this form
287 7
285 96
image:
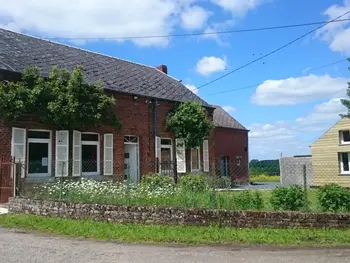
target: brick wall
233 143
177 216
136 116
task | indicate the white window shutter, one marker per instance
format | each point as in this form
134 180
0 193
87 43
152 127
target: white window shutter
76 153
205 156
158 149
18 144
180 155
62 153
108 154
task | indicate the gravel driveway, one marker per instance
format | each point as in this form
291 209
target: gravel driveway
22 247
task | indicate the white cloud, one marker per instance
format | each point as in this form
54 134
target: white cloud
293 137
96 18
192 88
194 17
322 116
337 34
229 108
216 27
292 91
209 65
238 7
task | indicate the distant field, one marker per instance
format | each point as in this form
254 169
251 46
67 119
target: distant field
264 178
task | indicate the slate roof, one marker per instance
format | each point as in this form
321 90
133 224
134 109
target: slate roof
225 120
18 51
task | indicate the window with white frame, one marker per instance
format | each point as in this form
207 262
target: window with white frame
344 159
195 159
90 153
344 137
166 148
39 153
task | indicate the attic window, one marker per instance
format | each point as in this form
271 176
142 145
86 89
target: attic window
344 137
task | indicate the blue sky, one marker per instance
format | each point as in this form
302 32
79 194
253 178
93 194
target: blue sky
293 105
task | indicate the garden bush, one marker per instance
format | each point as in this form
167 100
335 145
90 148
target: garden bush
240 200
291 198
193 183
334 198
156 181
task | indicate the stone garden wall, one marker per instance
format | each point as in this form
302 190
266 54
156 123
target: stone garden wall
178 216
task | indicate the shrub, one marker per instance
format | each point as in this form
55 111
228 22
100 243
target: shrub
291 198
248 201
193 183
156 181
334 198
240 200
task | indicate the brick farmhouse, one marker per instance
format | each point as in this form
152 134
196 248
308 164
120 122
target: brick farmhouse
144 95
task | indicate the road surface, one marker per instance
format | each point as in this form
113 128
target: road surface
23 247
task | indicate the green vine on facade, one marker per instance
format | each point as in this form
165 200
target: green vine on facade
63 99
190 122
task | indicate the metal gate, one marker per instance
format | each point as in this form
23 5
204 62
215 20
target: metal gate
7 172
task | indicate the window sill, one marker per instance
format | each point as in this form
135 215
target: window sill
39 175
90 174
344 174
344 144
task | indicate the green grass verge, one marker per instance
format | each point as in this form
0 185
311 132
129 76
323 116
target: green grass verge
177 234
264 178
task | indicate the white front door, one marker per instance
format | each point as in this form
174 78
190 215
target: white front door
131 164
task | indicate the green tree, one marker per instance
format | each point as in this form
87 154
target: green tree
346 102
63 99
190 122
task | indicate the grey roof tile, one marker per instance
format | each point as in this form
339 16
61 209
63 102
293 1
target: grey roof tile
223 119
18 51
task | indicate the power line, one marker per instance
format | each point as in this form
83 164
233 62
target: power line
272 52
256 85
200 34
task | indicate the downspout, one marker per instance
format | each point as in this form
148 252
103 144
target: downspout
155 105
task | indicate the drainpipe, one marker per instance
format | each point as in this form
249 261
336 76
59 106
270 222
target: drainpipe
155 105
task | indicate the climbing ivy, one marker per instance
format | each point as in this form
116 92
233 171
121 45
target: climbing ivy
190 122
63 99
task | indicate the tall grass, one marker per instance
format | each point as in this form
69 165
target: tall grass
165 196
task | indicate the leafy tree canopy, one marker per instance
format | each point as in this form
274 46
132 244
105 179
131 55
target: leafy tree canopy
189 121
63 99
346 102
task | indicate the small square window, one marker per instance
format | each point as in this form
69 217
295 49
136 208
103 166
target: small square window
344 137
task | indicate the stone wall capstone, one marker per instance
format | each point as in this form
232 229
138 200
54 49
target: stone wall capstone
179 216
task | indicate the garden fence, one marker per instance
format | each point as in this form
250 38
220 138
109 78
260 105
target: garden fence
223 173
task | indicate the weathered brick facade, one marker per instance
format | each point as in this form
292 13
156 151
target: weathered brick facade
137 118
233 143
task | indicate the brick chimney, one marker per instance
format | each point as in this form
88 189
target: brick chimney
163 69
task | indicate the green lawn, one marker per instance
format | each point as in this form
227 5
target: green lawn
177 234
